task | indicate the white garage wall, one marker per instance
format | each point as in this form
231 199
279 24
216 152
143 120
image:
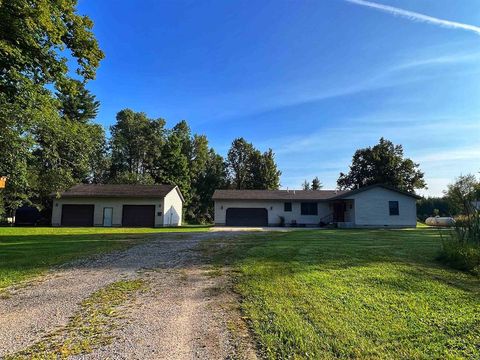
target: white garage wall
101 203
173 209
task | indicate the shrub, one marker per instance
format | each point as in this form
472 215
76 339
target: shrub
461 247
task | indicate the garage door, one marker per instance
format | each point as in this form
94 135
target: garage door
247 217
138 215
77 215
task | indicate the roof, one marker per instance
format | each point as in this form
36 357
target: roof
275 194
384 186
118 191
312 195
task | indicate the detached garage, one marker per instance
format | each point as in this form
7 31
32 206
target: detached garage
118 205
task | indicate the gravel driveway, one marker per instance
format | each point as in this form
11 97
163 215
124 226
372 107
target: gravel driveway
179 316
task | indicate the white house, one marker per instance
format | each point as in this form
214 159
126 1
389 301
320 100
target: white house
118 205
371 206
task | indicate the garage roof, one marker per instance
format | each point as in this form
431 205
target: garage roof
117 190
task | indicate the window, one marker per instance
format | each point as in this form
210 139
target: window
309 208
393 207
287 207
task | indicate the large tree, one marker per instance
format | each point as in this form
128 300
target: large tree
248 168
383 163
136 146
37 38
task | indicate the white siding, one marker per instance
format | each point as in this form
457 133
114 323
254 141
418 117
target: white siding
100 203
371 208
173 209
275 209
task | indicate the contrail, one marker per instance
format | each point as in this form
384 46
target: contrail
417 16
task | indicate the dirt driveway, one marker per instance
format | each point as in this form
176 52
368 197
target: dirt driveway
183 311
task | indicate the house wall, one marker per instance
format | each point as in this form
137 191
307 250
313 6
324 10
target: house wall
275 209
115 203
371 208
173 207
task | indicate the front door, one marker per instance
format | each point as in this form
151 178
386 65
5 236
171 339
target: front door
338 212
107 216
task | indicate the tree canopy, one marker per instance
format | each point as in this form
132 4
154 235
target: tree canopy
248 168
46 140
383 163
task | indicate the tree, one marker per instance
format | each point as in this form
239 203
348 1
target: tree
269 175
174 165
36 37
316 184
136 144
239 163
213 177
383 163
305 185
248 168
462 193
77 103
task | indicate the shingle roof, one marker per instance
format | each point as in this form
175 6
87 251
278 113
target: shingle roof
297 194
388 187
275 194
117 190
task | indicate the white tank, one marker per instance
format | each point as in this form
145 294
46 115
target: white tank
440 221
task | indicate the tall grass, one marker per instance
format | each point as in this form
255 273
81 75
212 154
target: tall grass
461 248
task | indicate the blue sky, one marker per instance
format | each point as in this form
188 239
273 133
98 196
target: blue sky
313 80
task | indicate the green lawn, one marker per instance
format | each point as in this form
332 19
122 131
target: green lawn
27 252
368 294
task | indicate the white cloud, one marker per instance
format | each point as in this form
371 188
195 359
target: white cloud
411 15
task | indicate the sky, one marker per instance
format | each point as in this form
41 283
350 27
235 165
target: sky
313 80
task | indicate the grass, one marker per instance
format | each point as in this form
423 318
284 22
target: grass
365 294
27 252
89 328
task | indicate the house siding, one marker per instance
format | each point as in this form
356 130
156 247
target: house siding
371 208
275 210
115 203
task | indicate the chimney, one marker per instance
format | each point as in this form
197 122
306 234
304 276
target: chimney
293 192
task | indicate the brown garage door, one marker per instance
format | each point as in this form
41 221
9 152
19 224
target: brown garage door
247 217
77 215
138 215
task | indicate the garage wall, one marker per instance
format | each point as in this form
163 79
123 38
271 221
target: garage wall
173 209
275 210
371 208
100 203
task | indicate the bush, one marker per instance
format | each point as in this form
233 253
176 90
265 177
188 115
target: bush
461 248
459 256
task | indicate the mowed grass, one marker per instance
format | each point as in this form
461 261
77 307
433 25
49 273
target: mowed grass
27 252
364 294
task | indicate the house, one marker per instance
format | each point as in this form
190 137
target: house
118 205
371 206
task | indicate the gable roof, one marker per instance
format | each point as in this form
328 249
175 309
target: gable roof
118 191
384 186
275 194
307 195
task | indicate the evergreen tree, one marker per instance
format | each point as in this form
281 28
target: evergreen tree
316 184
305 185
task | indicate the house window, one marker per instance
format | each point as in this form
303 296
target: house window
309 208
393 207
287 206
